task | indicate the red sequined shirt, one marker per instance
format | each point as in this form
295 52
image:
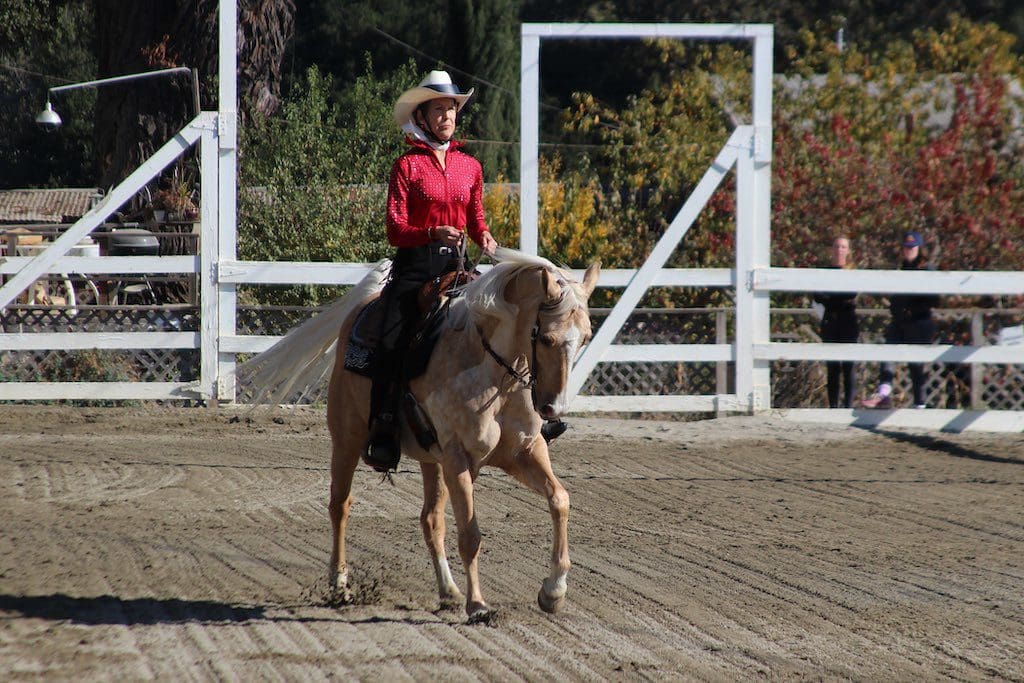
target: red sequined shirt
422 195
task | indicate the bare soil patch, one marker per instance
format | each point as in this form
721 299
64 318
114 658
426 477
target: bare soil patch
192 544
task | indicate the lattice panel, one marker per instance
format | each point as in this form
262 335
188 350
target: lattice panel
795 384
1004 386
654 378
271 320
144 365
31 319
95 365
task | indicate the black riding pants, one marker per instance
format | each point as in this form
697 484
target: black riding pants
410 270
840 327
909 332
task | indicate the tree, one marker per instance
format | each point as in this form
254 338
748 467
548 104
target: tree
922 135
312 177
136 37
482 39
40 41
475 40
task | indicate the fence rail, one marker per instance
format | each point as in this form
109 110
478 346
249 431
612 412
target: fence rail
157 348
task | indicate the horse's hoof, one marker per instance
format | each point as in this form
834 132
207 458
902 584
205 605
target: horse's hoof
451 602
340 596
340 593
551 605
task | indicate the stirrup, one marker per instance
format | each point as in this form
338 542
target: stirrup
552 429
383 450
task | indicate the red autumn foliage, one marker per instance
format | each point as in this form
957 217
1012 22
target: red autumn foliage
963 189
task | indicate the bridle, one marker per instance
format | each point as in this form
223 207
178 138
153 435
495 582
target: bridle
524 377
527 378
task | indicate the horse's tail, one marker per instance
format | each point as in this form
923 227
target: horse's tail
300 361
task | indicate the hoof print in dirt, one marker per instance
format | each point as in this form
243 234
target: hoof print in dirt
339 598
450 605
485 617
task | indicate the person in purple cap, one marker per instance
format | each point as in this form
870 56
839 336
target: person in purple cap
911 324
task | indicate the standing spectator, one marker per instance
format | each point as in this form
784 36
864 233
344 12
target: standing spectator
839 324
911 324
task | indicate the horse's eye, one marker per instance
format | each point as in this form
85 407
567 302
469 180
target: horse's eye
548 340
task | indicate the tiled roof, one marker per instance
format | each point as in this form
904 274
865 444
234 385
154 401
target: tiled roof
46 206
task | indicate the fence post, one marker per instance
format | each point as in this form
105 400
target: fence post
209 325
753 236
529 113
977 370
721 367
227 191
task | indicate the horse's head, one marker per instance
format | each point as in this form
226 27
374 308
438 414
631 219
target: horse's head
561 328
536 316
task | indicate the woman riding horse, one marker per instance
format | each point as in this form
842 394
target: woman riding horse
434 200
508 340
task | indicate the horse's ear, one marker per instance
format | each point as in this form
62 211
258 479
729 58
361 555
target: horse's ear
590 278
550 282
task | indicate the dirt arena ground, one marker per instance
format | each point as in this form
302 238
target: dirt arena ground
174 544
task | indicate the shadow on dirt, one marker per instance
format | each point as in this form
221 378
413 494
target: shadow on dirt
109 609
933 443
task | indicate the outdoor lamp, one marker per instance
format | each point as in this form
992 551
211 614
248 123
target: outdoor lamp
49 120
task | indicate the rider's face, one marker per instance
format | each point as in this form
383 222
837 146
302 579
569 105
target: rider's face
439 117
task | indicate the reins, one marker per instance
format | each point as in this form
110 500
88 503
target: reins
523 377
527 377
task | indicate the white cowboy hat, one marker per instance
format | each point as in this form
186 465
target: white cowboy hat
436 84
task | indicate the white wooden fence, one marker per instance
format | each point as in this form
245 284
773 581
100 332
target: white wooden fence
748 152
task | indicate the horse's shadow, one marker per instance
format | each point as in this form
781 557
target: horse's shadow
939 445
112 610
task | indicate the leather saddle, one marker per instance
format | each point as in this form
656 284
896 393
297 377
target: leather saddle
366 332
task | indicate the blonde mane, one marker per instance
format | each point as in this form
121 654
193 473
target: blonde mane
484 297
301 361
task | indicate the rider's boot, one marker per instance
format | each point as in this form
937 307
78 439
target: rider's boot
383 448
552 429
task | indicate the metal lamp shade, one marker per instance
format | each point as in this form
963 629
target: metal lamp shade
48 118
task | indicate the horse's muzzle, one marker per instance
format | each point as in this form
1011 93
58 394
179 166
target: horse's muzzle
548 411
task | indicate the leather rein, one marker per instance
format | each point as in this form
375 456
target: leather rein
526 377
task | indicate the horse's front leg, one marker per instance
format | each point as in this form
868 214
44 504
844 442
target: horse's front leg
459 477
533 469
435 495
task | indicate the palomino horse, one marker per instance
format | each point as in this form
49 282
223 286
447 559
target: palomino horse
500 368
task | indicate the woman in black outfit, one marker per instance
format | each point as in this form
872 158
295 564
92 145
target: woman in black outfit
911 324
839 324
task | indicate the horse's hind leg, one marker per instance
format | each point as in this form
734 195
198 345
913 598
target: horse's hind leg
533 469
435 495
348 434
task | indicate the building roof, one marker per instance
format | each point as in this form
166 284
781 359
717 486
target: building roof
46 206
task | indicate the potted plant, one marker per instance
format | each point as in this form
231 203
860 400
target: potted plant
177 198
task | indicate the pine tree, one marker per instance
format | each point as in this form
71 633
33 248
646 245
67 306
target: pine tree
482 40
